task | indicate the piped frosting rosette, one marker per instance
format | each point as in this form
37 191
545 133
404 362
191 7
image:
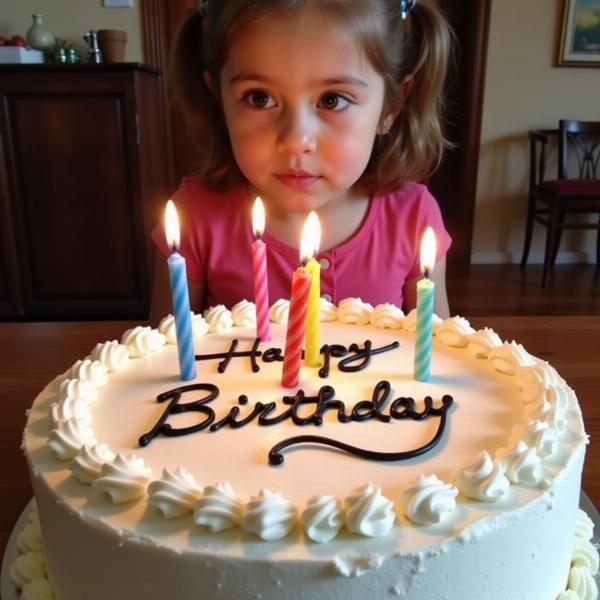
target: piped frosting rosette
368 511
429 500
354 310
219 319
175 493
269 516
112 355
455 332
167 327
279 311
219 508
141 341
387 316
244 314
125 478
484 480
323 518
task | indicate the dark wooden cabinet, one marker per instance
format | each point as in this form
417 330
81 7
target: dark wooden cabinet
83 181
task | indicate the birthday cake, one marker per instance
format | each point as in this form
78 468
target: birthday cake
359 482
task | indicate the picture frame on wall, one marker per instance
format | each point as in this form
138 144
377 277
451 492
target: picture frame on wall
580 39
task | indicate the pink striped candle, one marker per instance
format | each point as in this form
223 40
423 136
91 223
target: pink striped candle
261 279
294 338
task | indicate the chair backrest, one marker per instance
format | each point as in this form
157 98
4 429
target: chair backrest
584 138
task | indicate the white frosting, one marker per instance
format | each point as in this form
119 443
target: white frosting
523 465
219 319
539 436
30 539
279 311
410 322
68 437
484 480
455 332
39 589
142 341
269 516
327 310
584 526
585 555
387 316
532 380
481 343
509 357
76 389
168 328
27 567
323 518
124 479
111 354
71 409
219 508
244 314
354 310
87 465
429 500
582 583
369 512
92 371
175 493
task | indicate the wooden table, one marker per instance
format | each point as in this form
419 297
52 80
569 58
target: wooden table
31 354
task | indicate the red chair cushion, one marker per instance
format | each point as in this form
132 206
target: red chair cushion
574 188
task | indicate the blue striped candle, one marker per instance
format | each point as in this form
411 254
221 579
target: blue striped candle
425 301
181 297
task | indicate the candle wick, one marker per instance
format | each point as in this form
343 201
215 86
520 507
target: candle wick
174 247
426 273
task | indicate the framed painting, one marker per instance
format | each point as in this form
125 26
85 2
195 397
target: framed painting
580 39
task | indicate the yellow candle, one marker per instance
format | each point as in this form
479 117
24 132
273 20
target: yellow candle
312 340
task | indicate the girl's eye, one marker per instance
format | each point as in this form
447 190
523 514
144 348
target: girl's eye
259 99
333 101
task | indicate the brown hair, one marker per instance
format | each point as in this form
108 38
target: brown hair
419 47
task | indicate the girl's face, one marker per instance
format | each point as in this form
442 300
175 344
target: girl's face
302 107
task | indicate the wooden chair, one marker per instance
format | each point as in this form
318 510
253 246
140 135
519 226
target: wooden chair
550 201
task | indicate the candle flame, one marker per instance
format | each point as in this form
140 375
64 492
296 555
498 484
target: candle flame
428 251
311 237
172 226
258 217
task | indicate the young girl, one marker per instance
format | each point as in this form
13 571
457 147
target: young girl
325 105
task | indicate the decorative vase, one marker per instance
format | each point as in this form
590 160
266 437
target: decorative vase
112 44
38 37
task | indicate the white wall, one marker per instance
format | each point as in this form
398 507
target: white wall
70 19
524 90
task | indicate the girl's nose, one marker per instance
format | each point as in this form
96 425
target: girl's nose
297 135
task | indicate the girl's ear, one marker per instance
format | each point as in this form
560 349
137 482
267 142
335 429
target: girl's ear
396 104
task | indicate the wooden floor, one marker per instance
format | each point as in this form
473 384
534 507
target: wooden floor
509 290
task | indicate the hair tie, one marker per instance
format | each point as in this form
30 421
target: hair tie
203 8
406 7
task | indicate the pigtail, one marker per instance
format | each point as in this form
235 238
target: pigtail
420 122
413 148
197 103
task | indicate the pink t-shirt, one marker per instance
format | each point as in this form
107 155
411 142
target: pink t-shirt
216 234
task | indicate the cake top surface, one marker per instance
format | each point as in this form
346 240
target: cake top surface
502 425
